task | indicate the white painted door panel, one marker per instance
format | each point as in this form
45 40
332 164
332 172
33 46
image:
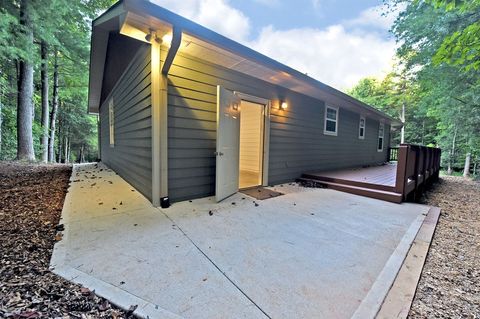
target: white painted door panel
228 144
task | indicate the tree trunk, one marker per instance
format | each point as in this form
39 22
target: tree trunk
45 111
53 114
423 132
1 118
67 149
466 168
402 134
25 149
81 156
452 152
60 146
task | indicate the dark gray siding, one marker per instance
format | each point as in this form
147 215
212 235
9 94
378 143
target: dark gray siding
131 157
297 142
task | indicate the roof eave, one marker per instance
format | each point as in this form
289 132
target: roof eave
101 27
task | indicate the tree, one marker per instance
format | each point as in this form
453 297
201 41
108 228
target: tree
53 38
462 46
45 112
398 96
53 114
25 89
439 55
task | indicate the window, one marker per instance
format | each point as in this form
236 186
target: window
361 128
331 120
381 129
111 123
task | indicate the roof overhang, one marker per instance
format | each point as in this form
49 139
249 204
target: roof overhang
137 18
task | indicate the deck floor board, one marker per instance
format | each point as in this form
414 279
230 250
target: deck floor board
380 175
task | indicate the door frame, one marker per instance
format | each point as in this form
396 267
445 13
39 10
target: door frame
266 129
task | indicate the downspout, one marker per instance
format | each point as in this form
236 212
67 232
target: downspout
159 100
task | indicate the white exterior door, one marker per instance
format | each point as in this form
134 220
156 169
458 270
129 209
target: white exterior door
228 144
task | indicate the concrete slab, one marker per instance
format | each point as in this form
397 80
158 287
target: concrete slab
309 253
135 251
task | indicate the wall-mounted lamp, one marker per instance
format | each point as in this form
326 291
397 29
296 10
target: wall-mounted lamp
167 39
152 34
283 105
235 106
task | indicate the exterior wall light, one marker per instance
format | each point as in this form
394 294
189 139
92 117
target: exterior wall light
152 35
235 106
283 105
167 39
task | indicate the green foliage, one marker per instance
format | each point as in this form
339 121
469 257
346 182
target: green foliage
439 56
462 46
64 26
9 133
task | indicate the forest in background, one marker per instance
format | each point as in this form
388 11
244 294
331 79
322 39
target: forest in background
44 59
434 87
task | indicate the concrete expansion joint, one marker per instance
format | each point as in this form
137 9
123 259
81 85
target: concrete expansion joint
217 267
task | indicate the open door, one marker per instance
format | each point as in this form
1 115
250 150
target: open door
228 144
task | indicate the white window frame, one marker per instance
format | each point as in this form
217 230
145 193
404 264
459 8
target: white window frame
325 120
111 122
360 136
381 127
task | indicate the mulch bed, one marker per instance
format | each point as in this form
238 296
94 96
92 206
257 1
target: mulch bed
31 200
450 283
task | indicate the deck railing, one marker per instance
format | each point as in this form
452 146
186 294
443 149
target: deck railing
417 167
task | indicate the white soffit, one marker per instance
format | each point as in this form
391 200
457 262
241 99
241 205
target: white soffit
215 55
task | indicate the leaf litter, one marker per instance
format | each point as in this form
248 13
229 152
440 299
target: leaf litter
449 286
31 200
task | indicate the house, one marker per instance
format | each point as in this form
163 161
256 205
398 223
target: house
187 113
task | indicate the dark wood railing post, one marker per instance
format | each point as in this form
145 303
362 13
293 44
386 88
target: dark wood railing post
402 158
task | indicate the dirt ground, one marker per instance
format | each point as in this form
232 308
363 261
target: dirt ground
450 283
31 200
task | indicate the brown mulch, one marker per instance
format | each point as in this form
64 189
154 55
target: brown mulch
450 283
31 200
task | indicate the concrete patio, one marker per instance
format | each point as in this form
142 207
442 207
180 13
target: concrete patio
311 253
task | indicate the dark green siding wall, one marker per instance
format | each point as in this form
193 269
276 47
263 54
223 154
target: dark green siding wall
131 157
297 142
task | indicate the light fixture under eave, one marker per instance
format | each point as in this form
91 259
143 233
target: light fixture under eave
167 39
283 105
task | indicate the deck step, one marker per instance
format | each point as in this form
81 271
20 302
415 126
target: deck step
357 190
348 182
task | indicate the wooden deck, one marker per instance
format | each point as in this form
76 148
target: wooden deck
406 179
376 175
376 181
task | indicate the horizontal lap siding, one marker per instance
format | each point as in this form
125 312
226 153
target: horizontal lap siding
192 89
296 148
131 157
297 142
